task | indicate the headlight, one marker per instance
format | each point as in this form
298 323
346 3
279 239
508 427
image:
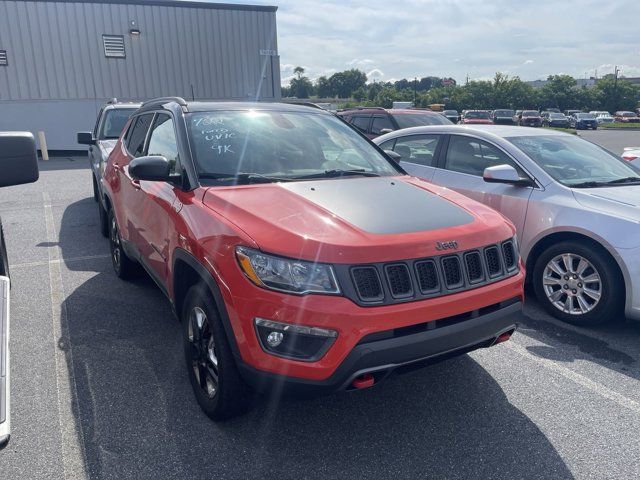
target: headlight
286 275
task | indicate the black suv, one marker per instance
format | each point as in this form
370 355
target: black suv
376 121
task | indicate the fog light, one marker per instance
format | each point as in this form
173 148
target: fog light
298 342
274 339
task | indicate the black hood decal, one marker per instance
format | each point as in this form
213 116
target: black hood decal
382 205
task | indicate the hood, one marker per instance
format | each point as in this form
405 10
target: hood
357 220
107 145
622 201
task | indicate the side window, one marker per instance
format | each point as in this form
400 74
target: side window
470 155
388 145
135 144
419 149
380 123
361 122
162 141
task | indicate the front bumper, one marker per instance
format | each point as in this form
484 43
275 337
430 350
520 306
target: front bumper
383 353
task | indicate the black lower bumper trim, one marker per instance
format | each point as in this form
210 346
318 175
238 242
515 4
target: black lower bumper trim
383 357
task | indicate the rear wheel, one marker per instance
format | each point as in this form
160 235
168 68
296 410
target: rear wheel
217 384
124 267
578 283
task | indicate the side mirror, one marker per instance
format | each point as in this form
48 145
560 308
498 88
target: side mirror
153 168
395 156
386 130
18 158
505 174
86 138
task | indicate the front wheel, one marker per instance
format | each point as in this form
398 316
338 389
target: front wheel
579 284
216 382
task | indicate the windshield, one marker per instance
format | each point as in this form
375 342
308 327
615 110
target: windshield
586 116
274 146
477 115
114 121
556 115
530 113
504 113
450 112
420 119
573 161
628 114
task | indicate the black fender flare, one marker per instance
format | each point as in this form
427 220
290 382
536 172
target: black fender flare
180 254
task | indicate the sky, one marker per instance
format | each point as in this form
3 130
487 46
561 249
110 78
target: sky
390 40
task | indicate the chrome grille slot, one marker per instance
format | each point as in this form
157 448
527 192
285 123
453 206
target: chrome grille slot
475 270
367 283
399 279
452 272
427 276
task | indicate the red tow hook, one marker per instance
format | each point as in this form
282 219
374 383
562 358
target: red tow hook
503 337
365 380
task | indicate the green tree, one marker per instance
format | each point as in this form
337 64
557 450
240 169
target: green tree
612 96
560 92
300 86
343 84
298 72
323 87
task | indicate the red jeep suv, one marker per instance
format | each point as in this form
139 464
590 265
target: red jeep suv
297 254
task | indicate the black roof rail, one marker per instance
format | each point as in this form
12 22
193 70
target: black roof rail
304 104
156 102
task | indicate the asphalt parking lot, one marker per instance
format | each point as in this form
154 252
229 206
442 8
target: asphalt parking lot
99 387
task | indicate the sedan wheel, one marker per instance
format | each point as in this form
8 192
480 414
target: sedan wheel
579 282
572 284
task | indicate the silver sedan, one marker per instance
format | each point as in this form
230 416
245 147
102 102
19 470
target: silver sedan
574 204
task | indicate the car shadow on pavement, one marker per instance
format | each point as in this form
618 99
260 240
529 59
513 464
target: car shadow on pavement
567 344
136 416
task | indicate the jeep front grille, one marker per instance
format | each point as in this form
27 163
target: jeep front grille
407 280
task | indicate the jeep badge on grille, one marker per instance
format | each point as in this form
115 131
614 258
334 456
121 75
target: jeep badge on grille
452 245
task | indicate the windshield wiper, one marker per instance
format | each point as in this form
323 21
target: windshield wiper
624 180
242 177
338 173
618 181
590 184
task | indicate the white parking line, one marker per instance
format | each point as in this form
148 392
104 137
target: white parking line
73 458
57 260
576 378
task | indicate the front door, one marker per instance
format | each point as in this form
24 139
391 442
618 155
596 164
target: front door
464 163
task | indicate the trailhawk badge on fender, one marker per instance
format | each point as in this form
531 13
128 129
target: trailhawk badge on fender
452 245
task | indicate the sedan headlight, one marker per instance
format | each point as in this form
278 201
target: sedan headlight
286 275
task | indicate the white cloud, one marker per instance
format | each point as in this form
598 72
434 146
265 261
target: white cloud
409 38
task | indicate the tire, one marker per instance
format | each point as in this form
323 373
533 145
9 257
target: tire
103 221
219 389
96 194
124 266
590 309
